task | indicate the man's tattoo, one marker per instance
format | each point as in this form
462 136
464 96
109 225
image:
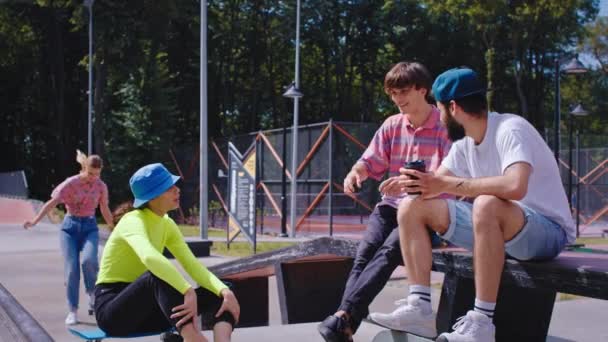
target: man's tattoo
459 184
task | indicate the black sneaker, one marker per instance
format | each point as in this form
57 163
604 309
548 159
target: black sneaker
171 337
333 329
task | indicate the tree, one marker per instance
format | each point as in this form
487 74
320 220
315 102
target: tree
595 42
488 18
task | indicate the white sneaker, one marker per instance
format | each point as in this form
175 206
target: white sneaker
474 327
71 318
409 316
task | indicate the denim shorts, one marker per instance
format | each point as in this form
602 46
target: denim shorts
539 239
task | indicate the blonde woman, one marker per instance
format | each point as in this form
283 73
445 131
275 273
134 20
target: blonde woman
79 236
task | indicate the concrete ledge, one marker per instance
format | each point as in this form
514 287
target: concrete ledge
27 325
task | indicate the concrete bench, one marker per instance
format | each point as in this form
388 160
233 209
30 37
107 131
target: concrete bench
16 323
527 292
311 277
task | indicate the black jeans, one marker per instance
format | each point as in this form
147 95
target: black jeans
144 306
378 255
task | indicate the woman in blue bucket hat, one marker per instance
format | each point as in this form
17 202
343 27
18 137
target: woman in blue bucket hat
138 289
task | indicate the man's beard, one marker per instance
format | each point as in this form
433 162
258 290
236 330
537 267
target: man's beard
455 130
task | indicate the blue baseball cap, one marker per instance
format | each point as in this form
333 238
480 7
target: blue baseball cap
149 182
457 83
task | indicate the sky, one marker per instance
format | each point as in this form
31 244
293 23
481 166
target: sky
603 8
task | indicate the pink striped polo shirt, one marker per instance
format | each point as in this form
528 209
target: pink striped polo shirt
80 197
397 142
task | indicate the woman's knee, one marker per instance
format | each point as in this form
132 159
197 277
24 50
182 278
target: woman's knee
90 264
72 271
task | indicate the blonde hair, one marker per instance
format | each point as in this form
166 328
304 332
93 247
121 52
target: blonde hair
93 161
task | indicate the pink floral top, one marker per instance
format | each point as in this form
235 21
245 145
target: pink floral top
81 197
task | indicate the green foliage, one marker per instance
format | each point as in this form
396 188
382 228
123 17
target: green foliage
595 42
522 39
146 62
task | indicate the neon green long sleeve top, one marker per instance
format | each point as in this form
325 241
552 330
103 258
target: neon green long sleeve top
135 246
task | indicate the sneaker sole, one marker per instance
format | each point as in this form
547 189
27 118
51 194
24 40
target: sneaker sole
442 339
419 330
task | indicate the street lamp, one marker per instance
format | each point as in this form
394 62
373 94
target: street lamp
203 176
294 93
577 111
89 5
578 181
572 67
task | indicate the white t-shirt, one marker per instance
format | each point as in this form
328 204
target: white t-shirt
510 139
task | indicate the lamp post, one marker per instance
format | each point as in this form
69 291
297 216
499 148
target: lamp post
294 93
577 111
572 67
284 185
578 181
203 158
89 5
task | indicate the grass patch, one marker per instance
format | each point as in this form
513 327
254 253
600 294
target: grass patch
189 231
238 248
592 241
566 296
243 249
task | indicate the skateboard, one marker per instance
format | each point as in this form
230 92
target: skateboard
390 335
97 335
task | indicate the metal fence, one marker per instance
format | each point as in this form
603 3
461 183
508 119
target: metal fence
586 179
326 152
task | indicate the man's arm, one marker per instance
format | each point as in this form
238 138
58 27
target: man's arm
357 175
512 185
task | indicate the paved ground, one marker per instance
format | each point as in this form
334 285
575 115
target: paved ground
31 269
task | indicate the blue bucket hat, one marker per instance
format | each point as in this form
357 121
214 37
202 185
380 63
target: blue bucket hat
150 182
457 83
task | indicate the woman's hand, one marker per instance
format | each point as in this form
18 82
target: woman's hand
188 310
229 304
28 224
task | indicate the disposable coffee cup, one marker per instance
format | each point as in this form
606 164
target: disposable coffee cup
417 165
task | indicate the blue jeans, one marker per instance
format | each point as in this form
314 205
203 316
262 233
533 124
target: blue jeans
79 235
